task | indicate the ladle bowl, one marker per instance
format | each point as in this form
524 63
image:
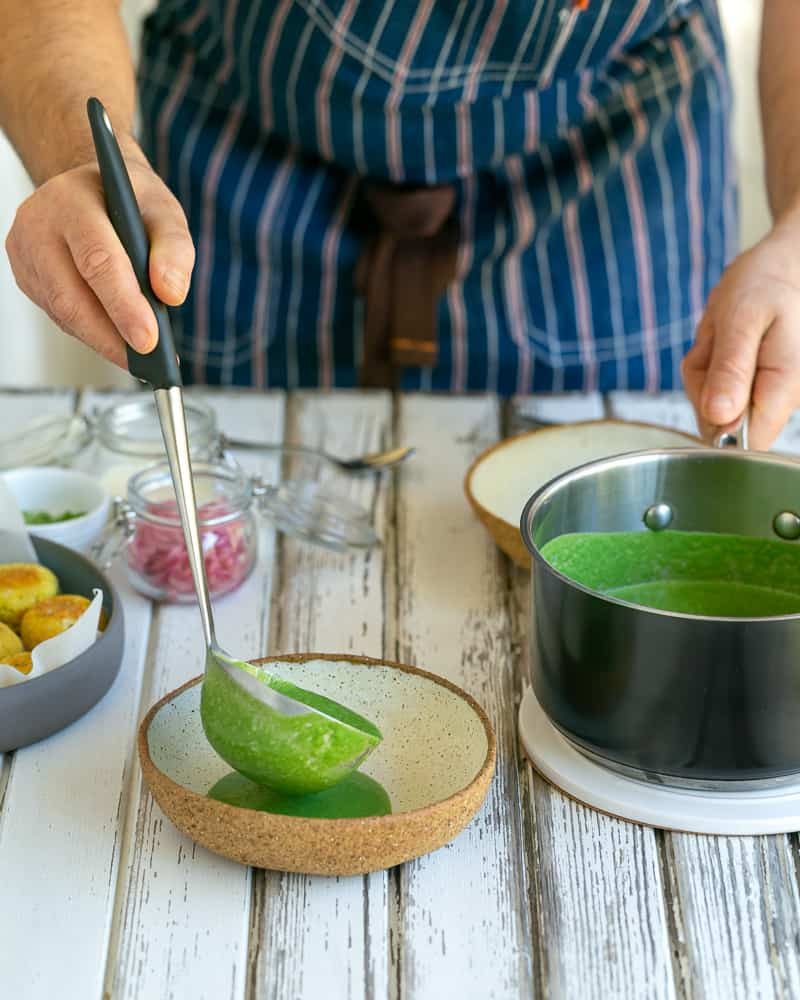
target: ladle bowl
293 751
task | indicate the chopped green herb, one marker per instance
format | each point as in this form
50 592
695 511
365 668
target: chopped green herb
42 516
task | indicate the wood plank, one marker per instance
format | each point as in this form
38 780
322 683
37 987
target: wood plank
65 806
736 898
673 409
603 919
320 937
668 409
182 915
597 885
462 913
740 907
566 407
59 837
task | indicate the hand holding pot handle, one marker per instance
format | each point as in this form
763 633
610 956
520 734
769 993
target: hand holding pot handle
736 435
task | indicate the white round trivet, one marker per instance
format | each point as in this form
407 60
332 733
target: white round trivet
744 813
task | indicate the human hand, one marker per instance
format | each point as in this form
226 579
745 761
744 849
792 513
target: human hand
67 258
747 347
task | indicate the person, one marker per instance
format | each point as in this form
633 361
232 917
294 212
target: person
464 196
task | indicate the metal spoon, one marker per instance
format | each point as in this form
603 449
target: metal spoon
374 461
266 728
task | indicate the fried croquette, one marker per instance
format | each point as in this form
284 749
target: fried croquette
21 586
51 617
10 643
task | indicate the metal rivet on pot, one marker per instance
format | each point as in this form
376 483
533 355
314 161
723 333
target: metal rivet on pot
787 525
658 517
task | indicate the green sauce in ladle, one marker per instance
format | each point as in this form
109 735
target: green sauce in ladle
277 734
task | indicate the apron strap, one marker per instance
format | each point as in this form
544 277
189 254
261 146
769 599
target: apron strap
401 274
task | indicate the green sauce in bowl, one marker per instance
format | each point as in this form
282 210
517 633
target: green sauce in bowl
353 797
44 517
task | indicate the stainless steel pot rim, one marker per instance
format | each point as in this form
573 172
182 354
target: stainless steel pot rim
543 494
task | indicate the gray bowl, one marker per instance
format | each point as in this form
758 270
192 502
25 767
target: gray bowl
41 706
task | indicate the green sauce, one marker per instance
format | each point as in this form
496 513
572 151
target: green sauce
43 517
296 755
697 573
355 796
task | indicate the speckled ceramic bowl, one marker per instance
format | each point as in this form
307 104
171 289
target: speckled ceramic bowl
436 762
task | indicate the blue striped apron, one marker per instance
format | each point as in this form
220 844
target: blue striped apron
588 143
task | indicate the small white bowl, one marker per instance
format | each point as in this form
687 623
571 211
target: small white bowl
56 490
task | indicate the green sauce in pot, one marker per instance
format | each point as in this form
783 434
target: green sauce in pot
697 573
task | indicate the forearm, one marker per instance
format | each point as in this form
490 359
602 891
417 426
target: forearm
779 86
56 54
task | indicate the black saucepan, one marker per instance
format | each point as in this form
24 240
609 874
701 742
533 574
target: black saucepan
680 699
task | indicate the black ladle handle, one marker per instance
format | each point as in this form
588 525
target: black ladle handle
160 367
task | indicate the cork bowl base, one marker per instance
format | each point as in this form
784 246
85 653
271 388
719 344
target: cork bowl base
503 478
436 762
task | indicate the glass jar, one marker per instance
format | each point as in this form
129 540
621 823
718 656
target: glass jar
154 550
46 440
113 443
146 531
127 439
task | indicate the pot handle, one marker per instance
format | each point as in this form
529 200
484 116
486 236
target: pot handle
735 436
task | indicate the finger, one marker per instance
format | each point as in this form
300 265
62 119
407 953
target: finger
102 262
774 400
696 361
694 369
171 249
728 384
59 289
776 391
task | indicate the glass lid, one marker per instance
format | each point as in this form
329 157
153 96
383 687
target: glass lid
44 441
311 511
132 427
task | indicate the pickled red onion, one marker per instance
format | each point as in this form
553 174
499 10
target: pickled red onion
157 552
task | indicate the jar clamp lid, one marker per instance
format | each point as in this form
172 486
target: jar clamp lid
128 428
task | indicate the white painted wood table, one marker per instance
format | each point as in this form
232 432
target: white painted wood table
101 896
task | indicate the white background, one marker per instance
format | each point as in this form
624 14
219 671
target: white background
33 352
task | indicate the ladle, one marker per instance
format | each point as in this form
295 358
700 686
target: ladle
268 729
